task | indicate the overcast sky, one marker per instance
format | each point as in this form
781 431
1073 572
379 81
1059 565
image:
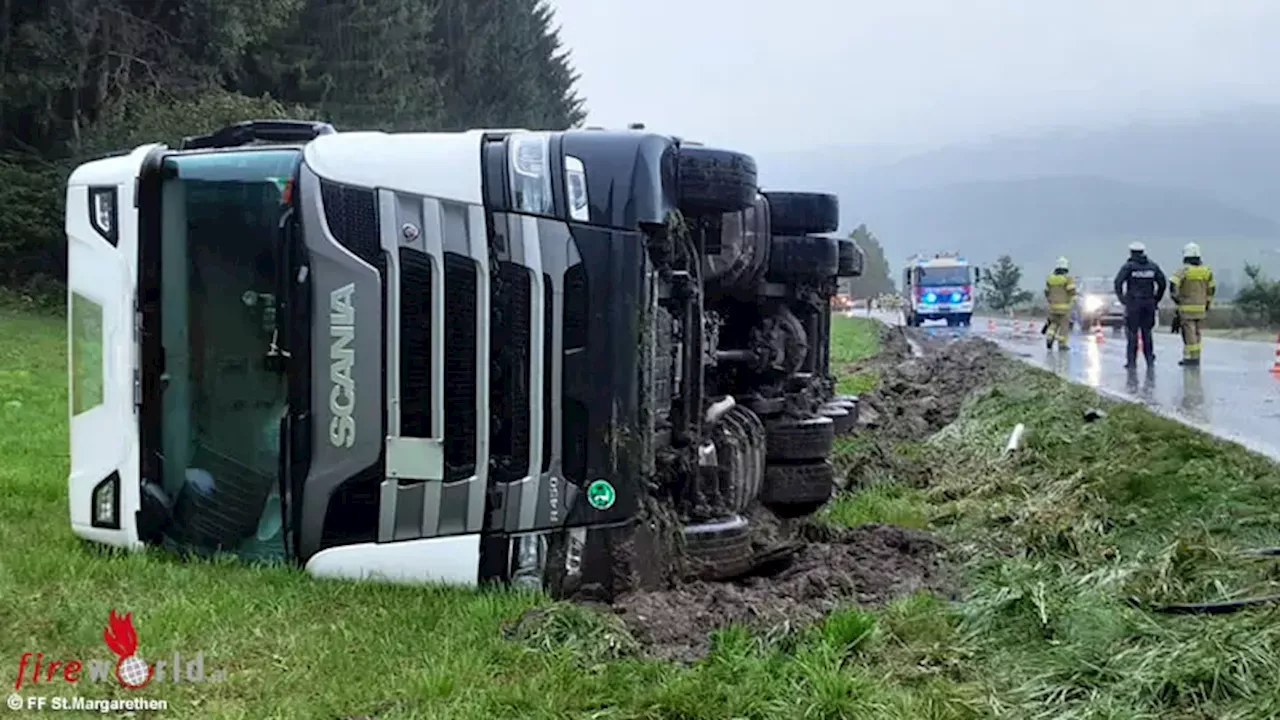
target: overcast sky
767 75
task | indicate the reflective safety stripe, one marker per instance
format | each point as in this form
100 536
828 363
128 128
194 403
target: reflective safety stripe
1060 307
1199 307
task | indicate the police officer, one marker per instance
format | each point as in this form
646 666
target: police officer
1140 285
1192 288
1060 293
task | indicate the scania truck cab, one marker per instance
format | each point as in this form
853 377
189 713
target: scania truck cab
454 357
939 287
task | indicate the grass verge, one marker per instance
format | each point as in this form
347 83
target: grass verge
1053 541
854 341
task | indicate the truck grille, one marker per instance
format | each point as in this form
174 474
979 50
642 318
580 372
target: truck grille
352 216
459 367
509 391
415 344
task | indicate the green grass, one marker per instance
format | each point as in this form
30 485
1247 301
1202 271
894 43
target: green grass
888 502
1051 542
854 340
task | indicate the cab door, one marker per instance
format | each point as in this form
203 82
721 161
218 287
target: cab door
102 259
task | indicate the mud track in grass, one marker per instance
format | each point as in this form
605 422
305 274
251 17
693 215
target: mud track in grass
834 567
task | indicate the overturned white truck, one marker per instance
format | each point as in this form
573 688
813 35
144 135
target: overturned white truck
469 357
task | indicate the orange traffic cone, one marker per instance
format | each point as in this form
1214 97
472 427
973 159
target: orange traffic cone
1098 336
1275 366
1017 326
991 325
1140 351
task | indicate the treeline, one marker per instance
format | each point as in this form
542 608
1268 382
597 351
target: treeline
83 77
876 278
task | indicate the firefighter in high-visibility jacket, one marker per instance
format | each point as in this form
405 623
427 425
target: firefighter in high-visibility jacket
1060 292
1192 288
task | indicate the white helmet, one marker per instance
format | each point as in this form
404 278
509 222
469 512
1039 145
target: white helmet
1062 264
1137 246
1192 250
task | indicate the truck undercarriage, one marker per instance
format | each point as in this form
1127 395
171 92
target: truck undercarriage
581 368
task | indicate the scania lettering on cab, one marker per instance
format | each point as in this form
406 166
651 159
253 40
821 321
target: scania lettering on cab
495 355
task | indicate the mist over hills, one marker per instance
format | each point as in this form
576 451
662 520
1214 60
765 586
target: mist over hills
1081 193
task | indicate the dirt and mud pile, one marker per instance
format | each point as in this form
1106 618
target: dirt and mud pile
867 565
918 396
924 382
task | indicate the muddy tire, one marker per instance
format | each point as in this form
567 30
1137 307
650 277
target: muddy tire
851 258
842 418
765 406
720 549
799 213
793 491
714 181
740 441
848 402
798 440
803 258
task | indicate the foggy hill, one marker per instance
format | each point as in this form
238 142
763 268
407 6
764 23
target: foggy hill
1081 193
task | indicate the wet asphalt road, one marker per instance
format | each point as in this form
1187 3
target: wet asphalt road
1232 395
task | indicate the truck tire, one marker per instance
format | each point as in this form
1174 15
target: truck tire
740 445
793 491
850 264
800 213
803 258
841 417
714 181
810 439
848 402
765 406
719 549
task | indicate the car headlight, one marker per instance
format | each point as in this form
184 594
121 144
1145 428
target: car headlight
957 297
930 298
530 157
1093 302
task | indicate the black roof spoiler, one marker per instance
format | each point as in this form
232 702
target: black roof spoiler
252 132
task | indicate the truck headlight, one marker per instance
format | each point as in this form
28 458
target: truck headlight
1092 302
531 173
104 213
575 186
106 503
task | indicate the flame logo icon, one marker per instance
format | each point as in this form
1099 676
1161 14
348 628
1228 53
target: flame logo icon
131 670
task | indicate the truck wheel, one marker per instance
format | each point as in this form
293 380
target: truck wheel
803 257
720 549
850 263
848 402
765 406
714 181
800 213
740 444
841 418
793 491
808 439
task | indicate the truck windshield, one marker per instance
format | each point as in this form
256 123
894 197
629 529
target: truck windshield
221 402
939 276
